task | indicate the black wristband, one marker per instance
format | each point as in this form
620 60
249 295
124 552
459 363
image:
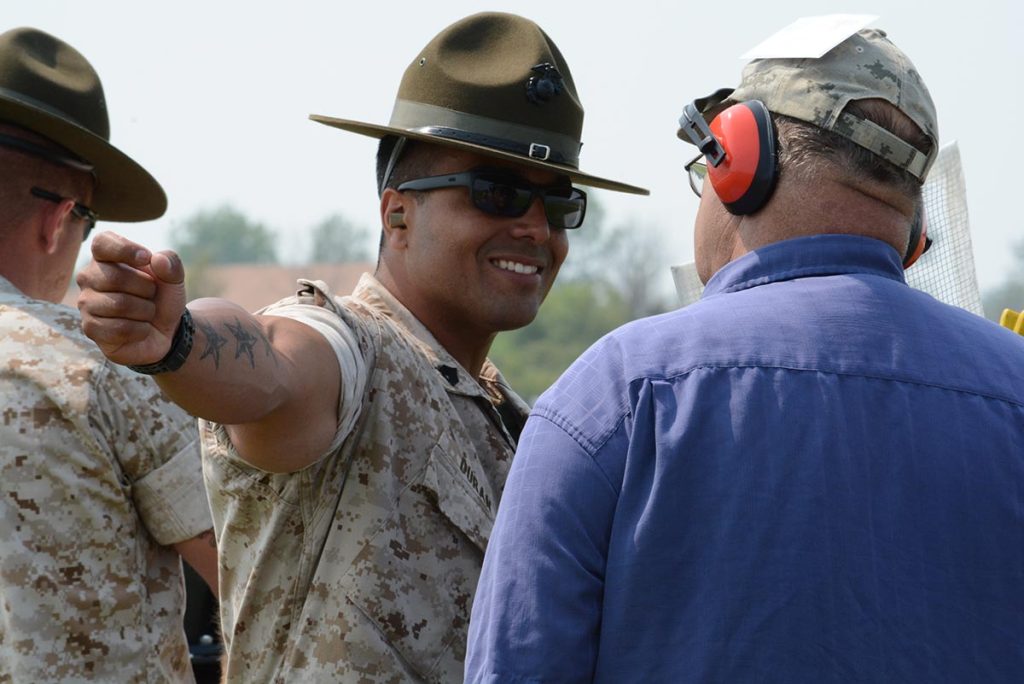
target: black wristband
181 346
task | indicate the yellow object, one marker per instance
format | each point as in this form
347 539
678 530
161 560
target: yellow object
1012 320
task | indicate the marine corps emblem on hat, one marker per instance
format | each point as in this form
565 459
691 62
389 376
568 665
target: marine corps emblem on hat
497 85
545 85
49 88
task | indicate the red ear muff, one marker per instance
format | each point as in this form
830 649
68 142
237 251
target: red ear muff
919 240
745 179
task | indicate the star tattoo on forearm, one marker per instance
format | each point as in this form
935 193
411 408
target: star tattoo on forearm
214 342
245 341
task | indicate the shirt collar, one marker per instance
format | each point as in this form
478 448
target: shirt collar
817 255
8 288
491 384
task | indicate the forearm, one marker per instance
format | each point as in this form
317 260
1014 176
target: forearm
233 373
273 381
200 552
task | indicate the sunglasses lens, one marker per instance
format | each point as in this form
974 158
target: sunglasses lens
500 197
512 197
566 212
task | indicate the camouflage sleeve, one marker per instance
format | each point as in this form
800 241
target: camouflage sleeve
157 445
323 317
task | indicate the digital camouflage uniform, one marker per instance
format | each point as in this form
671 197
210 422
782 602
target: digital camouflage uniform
362 566
97 471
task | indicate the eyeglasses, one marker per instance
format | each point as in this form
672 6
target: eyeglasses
697 171
504 194
79 210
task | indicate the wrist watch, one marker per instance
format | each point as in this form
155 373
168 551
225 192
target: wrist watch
181 346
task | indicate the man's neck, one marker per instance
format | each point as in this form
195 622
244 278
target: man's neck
34 281
467 345
471 355
829 207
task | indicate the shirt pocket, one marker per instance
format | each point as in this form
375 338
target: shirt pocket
415 579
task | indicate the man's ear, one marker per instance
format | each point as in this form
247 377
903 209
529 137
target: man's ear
393 218
52 224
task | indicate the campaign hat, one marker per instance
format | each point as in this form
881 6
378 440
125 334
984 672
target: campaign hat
48 87
495 84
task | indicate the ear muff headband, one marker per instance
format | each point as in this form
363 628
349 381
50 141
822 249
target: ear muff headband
919 240
745 179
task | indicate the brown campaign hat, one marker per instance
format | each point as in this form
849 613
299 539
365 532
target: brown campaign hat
49 88
495 84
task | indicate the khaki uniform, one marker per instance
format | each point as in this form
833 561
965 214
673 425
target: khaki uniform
362 566
98 472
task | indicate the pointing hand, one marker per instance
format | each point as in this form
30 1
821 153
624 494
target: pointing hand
131 299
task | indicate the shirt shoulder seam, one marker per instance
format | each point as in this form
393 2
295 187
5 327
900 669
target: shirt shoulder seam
874 376
577 436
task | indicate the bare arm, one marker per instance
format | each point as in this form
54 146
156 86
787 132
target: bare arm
272 381
200 553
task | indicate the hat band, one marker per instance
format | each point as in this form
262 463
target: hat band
867 134
52 156
486 132
889 147
29 101
870 136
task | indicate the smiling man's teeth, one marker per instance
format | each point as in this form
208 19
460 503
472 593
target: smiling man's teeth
515 266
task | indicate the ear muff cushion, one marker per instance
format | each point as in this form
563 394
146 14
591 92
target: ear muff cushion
918 243
746 177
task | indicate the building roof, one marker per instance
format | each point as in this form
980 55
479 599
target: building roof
253 286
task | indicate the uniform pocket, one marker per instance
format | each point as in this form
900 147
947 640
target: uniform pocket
415 579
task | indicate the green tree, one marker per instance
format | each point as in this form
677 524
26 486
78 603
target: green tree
1009 294
636 270
574 315
201 281
338 240
609 279
588 245
626 257
223 236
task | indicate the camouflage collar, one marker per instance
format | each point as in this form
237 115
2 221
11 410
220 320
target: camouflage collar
490 384
8 288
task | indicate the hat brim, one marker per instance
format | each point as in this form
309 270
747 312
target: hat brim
712 105
124 190
378 131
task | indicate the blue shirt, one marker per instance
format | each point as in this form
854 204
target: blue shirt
814 474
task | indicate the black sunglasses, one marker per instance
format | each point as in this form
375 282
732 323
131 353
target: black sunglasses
80 210
504 194
697 171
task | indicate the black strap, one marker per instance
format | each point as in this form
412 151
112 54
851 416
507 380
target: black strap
550 154
513 420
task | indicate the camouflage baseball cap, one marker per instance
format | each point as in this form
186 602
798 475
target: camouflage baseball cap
495 84
864 66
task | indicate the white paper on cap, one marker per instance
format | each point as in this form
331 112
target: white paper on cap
810 37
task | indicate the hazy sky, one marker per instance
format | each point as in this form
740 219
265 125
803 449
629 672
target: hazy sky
213 97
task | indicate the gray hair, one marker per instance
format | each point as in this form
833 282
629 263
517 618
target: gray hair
803 148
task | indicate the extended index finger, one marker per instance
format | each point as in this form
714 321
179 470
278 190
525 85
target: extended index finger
111 247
